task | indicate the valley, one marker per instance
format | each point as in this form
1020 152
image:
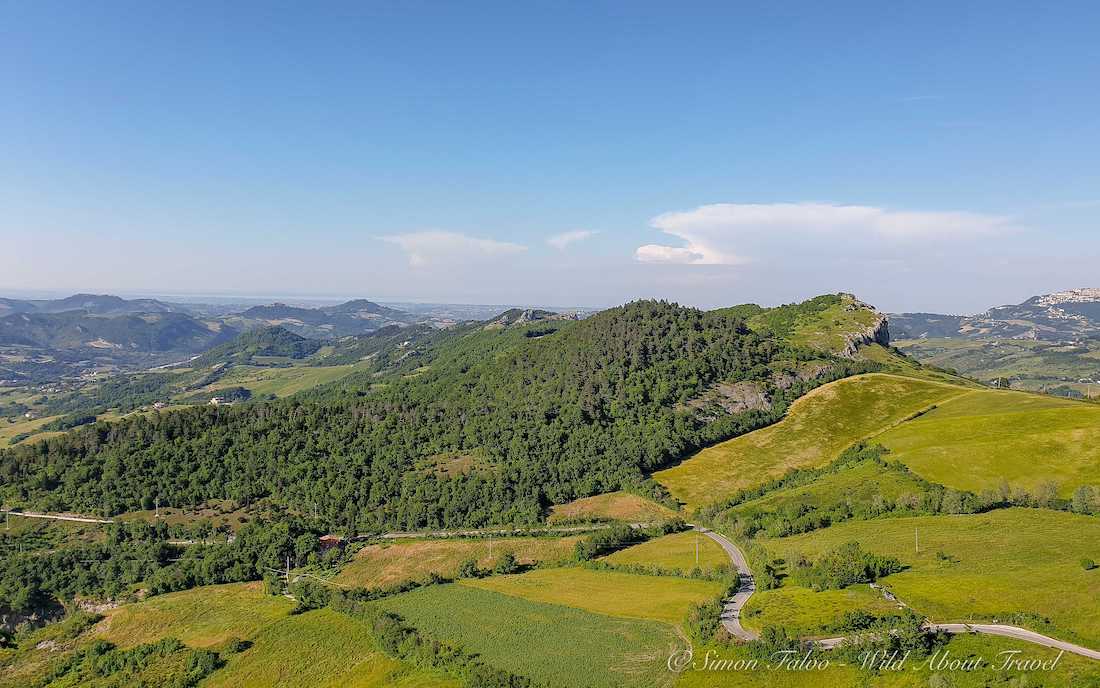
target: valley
829 459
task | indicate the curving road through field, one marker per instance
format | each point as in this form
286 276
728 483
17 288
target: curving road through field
731 613
731 610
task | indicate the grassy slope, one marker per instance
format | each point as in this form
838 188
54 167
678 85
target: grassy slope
201 617
558 645
977 440
655 598
378 565
825 327
858 484
10 429
320 649
676 551
612 506
281 381
804 612
817 428
1008 561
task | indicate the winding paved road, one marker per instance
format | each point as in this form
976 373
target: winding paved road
731 613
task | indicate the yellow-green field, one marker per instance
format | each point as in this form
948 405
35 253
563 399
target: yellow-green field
986 437
994 565
656 598
818 427
826 329
859 484
320 649
553 644
612 506
201 617
10 429
803 612
675 551
281 382
387 563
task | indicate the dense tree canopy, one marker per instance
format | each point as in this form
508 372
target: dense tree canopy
581 408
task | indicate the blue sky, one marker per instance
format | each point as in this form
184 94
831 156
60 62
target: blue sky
926 156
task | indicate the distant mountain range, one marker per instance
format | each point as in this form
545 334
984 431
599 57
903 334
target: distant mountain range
93 304
1062 316
43 339
350 318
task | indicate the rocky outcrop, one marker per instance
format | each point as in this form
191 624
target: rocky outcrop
731 398
876 333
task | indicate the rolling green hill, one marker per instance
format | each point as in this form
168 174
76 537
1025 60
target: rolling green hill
984 438
1020 566
817 428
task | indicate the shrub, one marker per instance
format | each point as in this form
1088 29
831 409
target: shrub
506 564
468 569
1088 564
846 565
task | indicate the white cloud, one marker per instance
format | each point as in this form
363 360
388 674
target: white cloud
561 241
434 247
716 234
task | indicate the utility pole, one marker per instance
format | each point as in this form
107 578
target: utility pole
916 540
156 505
490 545
288 573
697 549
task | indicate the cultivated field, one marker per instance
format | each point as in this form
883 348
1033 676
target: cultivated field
383 564
321 649
1020 566
987 437
676 551
551 643
818 427
656 598
613 506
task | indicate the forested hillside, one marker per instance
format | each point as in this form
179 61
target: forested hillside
549 413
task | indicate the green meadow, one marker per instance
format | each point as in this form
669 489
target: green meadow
323 649
550 643
986 437
200 617
656 598
860 483
1019 566
386 563
803 612
817 428
282 381
684 551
